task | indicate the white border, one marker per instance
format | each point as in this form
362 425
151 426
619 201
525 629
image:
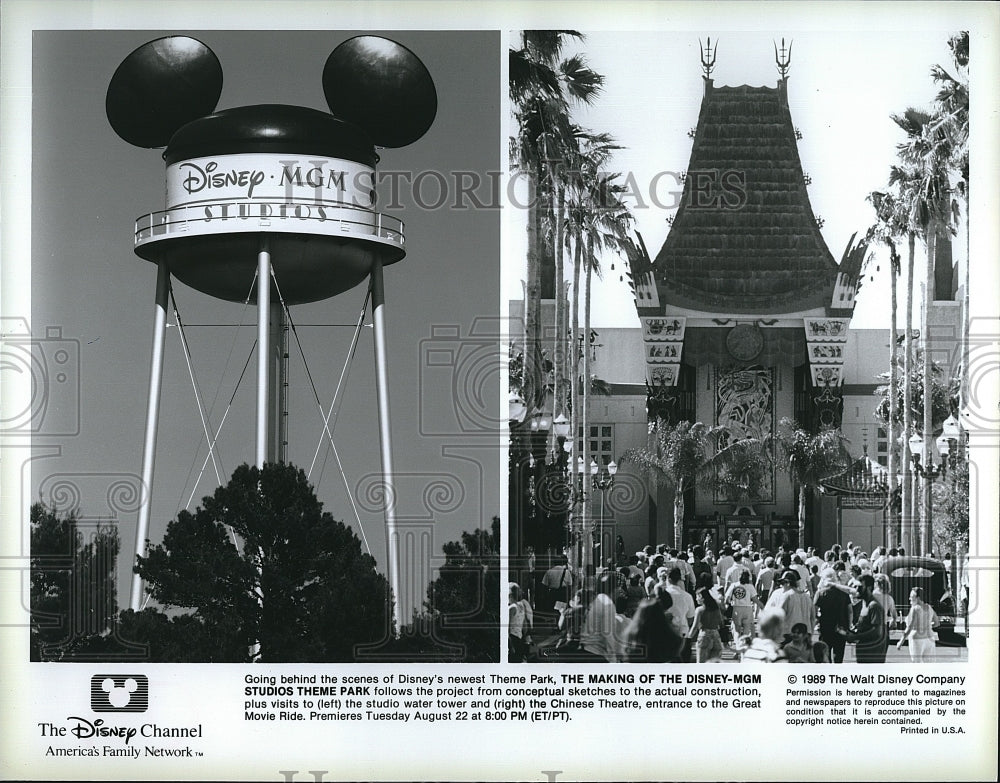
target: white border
610 745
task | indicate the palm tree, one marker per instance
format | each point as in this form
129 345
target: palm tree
686 454
943 394
596 220
952 103
904 179
952 120
891 224
541 86
809 459
927 190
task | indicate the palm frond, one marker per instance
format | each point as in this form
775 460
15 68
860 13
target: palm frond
580 81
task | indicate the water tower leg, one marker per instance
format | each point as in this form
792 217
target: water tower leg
277 425
385 437
152 416
263 347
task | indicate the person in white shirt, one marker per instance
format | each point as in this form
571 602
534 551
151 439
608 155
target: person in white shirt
796 605
724 563
519 624
742 597
766 648
799 566
679 560
732 576
557 582
765 579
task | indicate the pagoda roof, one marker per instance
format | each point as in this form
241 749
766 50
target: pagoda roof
862 478
744 238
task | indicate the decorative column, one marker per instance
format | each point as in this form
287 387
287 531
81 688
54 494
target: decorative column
826 340
663 343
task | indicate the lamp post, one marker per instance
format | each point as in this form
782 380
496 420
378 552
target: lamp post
603 481
578 533
519 501
946 444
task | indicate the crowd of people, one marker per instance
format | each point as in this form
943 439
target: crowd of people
663 605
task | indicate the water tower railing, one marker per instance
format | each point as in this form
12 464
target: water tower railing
229 217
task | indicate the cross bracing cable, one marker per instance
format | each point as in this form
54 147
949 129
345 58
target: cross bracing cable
218 388
334 410
319 404
186 350
225 414
213 440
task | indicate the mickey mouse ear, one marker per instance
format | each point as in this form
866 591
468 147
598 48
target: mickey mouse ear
161 86
381 86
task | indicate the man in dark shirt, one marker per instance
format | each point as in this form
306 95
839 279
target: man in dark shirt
869 633
833 605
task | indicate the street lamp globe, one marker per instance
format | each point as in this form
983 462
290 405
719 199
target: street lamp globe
516 408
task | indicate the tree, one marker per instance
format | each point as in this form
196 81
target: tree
926 156
952 119
461 620
685 454
181 638
596 219
541 86
951 510
73 587
891 225
300 587
943 395
810 458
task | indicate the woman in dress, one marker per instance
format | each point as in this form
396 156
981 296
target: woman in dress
919 629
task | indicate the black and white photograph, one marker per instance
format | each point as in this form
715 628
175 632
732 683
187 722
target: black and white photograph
757 407
454 391
279 478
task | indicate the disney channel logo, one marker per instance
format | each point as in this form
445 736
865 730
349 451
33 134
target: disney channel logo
85 729
119 693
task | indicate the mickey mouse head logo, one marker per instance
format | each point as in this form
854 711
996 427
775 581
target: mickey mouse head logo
374 84
119 696
303 176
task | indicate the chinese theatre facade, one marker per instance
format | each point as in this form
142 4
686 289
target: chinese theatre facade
744 311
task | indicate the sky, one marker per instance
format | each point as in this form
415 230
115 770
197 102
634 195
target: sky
843 85
88 188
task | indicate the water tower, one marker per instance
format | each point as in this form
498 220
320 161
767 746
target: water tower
270 198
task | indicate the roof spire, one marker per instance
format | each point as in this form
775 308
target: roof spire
708 56
784 59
